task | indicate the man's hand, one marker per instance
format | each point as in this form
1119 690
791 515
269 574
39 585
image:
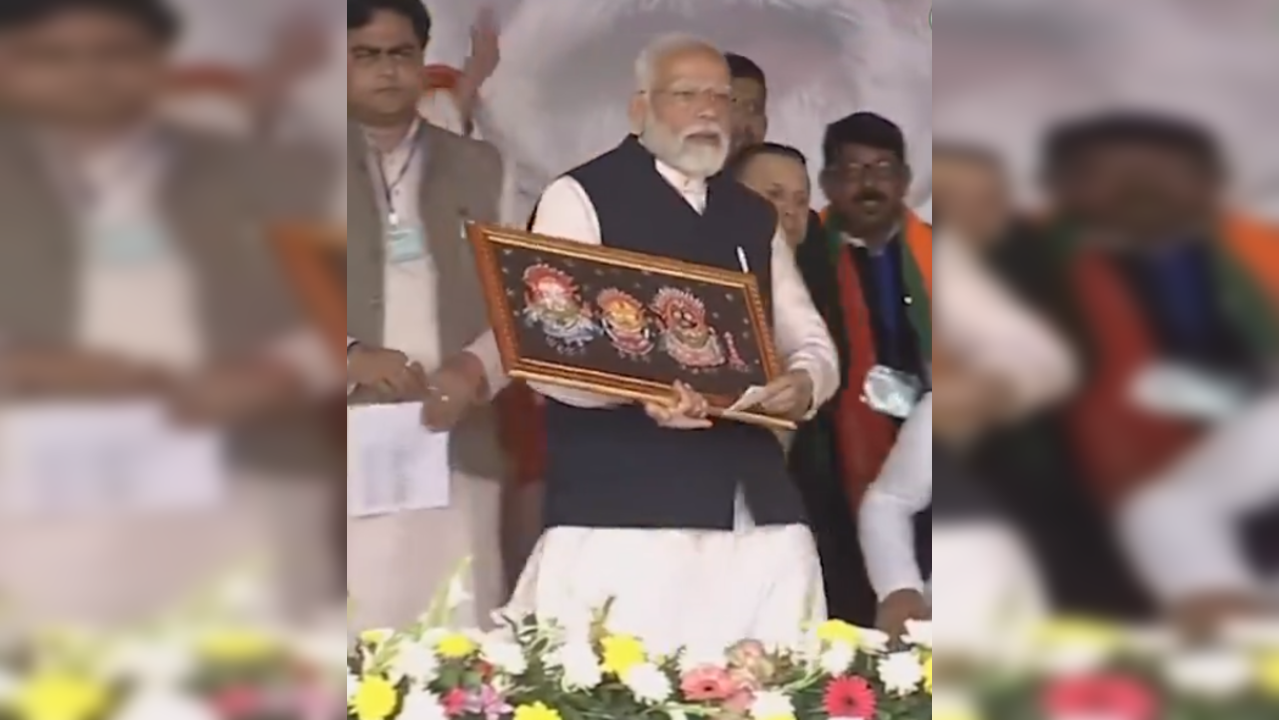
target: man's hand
789 396
899 608
480 64
388 372
76 373
1204 615
223 396
453 390
686 410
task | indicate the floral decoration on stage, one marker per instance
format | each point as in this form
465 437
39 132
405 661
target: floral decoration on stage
210 662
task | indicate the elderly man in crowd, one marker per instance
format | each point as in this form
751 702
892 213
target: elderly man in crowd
689 525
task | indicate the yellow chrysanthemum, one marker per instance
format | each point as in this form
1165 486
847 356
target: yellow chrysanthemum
1268 675
955 715
536 711
455 646
60 697
1078 632
621 653
232 647
832 632
375 700
928 674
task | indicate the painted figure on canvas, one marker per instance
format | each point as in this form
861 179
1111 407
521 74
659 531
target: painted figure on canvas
625 320
554 302
686 333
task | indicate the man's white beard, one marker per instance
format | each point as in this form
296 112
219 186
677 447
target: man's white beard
559 97
694 159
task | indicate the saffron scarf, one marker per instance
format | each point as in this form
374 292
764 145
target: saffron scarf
1120 444
865 437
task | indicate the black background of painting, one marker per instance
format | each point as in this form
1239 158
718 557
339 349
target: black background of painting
726 309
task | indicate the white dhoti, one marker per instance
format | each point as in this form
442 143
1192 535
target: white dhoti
676 588
396 563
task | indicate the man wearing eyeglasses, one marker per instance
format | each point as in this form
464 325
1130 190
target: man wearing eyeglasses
870 272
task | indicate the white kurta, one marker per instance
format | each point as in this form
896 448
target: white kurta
678 587
113 566
1182 528
397 562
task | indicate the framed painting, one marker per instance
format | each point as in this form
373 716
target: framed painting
624 324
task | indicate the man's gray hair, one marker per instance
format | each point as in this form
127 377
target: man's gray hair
661 48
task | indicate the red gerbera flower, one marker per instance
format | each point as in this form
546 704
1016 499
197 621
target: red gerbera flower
455 702
237 701
1114 696
850 697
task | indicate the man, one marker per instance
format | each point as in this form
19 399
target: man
750 103
1176 307
689 526
779 173
137 266
872 279
970 190
416 317
1000 363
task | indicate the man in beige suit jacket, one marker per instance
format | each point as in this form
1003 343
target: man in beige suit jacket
416 320
135 263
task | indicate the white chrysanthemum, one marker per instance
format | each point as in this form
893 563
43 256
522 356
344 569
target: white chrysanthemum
647 683
153 664
415 661
919 633
769 704
352 686
581 666
506 656
8 687
422 705
165 705
901 673
872 640
1209 673
836 659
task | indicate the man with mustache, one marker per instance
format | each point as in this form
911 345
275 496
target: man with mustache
871 275
690 527
1171 298
415 316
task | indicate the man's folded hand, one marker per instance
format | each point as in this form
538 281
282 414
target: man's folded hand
685 410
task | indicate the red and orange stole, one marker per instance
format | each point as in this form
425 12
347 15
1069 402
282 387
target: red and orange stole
864 436
1121 445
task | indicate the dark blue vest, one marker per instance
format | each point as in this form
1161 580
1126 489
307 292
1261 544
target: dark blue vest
615 467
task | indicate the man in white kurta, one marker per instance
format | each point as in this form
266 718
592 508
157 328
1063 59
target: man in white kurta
997 347
676 586
417 326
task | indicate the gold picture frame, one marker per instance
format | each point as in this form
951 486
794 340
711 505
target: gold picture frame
618 320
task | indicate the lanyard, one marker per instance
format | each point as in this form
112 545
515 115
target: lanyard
389 186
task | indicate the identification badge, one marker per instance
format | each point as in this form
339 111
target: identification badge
405 244
892 392
1182 391
128 245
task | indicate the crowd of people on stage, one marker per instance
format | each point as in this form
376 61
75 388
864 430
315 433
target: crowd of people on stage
1091 385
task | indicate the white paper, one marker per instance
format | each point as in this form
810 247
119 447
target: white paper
393 462
1186 392
749 399
102 458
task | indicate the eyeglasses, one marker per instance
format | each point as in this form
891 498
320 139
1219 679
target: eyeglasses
689 97
857 172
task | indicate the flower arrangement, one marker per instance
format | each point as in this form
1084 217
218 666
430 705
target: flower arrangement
206 665
1085 669
531 670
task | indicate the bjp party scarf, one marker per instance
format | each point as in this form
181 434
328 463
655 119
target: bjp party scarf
1121 444
864 437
